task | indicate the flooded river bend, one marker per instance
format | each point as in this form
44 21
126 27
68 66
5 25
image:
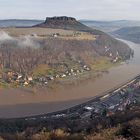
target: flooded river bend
19 103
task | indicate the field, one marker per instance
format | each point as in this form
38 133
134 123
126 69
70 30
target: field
48 32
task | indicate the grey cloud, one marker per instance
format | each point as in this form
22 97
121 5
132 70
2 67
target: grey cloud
85 9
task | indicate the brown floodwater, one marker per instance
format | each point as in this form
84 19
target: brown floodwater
22 102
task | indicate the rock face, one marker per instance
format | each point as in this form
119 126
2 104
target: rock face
58 20
63 22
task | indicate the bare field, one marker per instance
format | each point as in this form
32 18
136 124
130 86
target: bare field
47 32
35 30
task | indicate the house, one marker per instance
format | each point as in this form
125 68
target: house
78 71
57 76
84 66
19 76
69 74
111 107
88 108
26 83
115 60
107 49
56 35
72 70
63 75
87 68
59 115
50 77
121 108
74 74
46 83
10 74
30 78
42 79
110 55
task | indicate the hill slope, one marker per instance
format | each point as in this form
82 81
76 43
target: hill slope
74 41
55 47
129 33
110 26
102 39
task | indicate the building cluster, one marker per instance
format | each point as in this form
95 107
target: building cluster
26 80
17 78
115 57
116 101
44 80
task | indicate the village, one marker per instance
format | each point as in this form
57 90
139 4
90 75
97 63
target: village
25 80
114 102
16 79
21 79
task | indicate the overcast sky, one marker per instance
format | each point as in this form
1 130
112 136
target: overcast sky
81 9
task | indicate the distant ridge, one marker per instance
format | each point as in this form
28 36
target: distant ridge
18 22
129 33
110 26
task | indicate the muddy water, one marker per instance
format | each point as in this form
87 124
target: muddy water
16 103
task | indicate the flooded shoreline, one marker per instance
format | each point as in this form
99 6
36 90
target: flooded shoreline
18 103
24 110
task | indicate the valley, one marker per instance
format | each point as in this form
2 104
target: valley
69 70
48 54
129 33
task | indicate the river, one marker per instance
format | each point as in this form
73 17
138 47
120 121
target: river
20 103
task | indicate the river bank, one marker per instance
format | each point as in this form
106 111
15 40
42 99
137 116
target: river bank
71 96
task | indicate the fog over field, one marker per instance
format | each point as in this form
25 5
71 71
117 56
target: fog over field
4 36
24 41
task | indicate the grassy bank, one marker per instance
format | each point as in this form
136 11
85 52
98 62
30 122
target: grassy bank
97 68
